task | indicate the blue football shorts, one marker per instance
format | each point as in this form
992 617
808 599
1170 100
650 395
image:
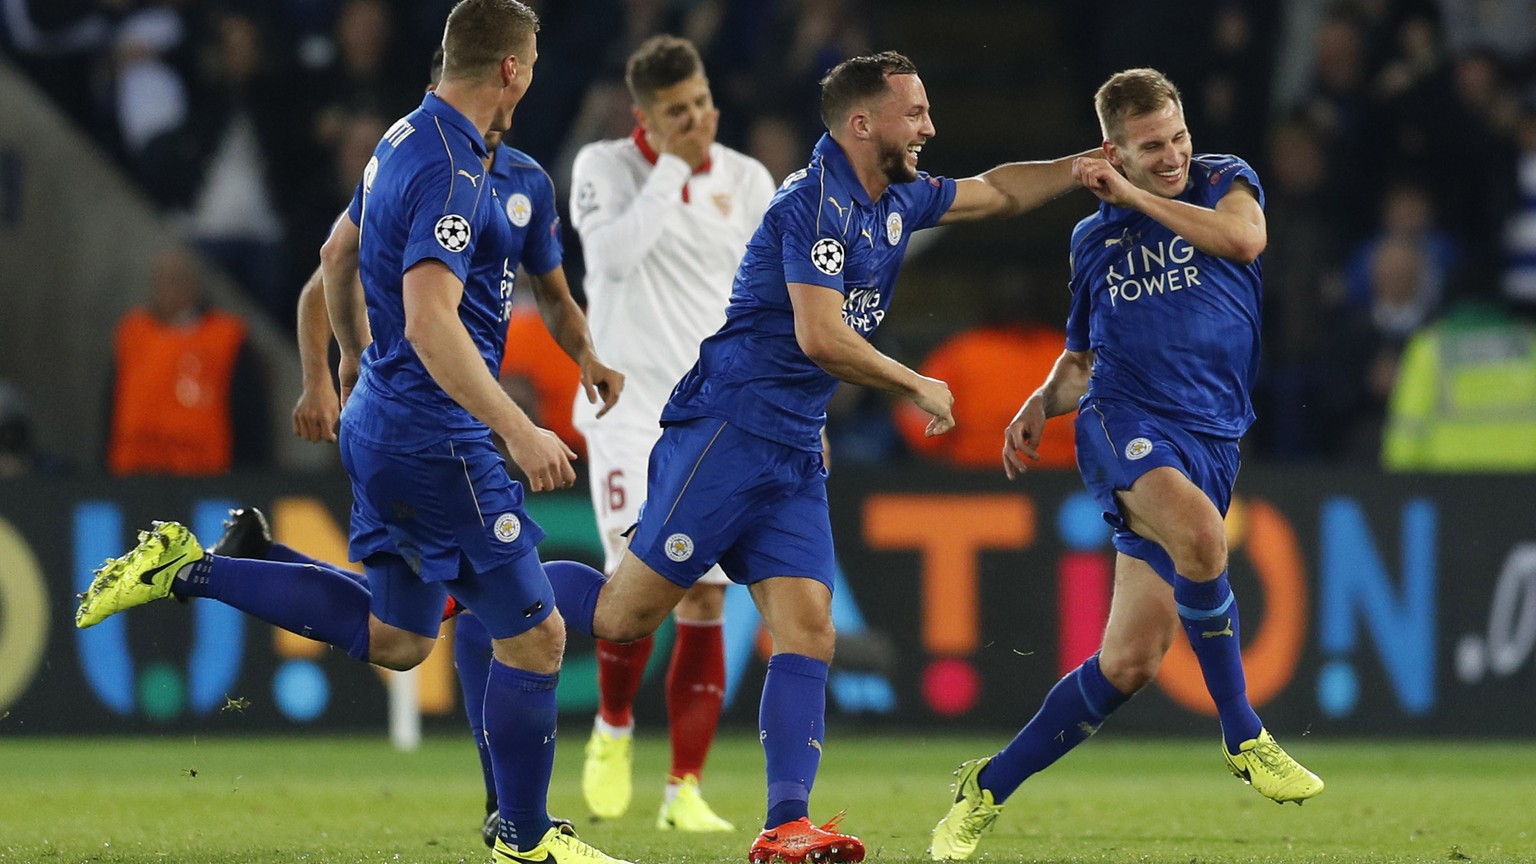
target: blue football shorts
446 519
1117 442
721 495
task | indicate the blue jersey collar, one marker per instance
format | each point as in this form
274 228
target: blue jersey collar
836 163
452 117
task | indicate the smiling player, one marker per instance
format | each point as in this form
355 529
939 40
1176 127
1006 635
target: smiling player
1162 347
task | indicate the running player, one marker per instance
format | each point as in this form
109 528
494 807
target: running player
1162 347
737 477
436 511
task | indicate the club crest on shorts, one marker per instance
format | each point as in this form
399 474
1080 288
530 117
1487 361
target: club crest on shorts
893 229
508 527
519 209
679 547
452 232
827 255
1138 448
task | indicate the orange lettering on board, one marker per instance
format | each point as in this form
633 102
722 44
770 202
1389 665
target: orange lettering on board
950 531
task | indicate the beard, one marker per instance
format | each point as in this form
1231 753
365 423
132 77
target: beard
893 164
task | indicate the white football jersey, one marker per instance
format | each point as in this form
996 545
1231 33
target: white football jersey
661 246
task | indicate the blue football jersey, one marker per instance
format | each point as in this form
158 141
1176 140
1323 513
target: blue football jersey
819 229
1174 330
425 195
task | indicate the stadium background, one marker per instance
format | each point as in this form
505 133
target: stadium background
1400 604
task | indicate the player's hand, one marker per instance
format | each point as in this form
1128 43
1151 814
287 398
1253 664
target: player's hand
544 458
1104 181
1023 436
346 375
602 383
316 414
933 396
689 140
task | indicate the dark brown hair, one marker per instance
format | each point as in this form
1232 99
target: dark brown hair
854 81
659 63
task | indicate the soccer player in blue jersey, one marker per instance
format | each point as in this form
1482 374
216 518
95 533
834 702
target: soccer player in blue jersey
737 477
1162 347
530 204
436 511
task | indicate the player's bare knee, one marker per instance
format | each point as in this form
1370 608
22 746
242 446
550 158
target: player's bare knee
1202 553
537 650
398 649
815 638
1131 668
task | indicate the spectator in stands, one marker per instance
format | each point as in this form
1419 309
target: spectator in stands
153 54
1519 281
1465 398
1407 214
188 396
1303 287
1365 348
358 79
248 149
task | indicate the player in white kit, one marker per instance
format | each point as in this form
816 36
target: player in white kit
664 216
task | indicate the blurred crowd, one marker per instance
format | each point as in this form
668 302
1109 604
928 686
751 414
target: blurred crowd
1397 141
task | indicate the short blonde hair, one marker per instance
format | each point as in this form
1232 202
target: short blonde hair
1132 93
479 33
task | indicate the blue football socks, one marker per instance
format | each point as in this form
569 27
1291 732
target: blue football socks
576 587
279 552
520 713
1072 711
472 662
792 725
313 601
1208 611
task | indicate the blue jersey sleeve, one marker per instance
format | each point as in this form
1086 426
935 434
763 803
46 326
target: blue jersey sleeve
811 236
1225 171
355 209
442 209
931 198
542 251
1077 315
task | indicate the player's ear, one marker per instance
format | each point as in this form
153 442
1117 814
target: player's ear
1112 153
509 67
859 124
642 119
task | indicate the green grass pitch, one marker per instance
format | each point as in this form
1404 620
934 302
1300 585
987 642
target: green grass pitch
320 800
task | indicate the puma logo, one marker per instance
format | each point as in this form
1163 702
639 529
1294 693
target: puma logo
840 208
474 179
1214 633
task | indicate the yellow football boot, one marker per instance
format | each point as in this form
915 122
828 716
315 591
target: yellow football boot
142 575
971 816
1271 771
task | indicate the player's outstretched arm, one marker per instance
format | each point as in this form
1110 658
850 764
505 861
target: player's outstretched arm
1013 188
568 325
431 295
1234 229
344 298
1059 394
836 348
318 409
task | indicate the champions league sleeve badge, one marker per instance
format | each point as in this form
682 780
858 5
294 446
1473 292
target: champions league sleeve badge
827 256
452 232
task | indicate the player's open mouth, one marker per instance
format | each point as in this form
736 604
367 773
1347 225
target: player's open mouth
1171 176
916 150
